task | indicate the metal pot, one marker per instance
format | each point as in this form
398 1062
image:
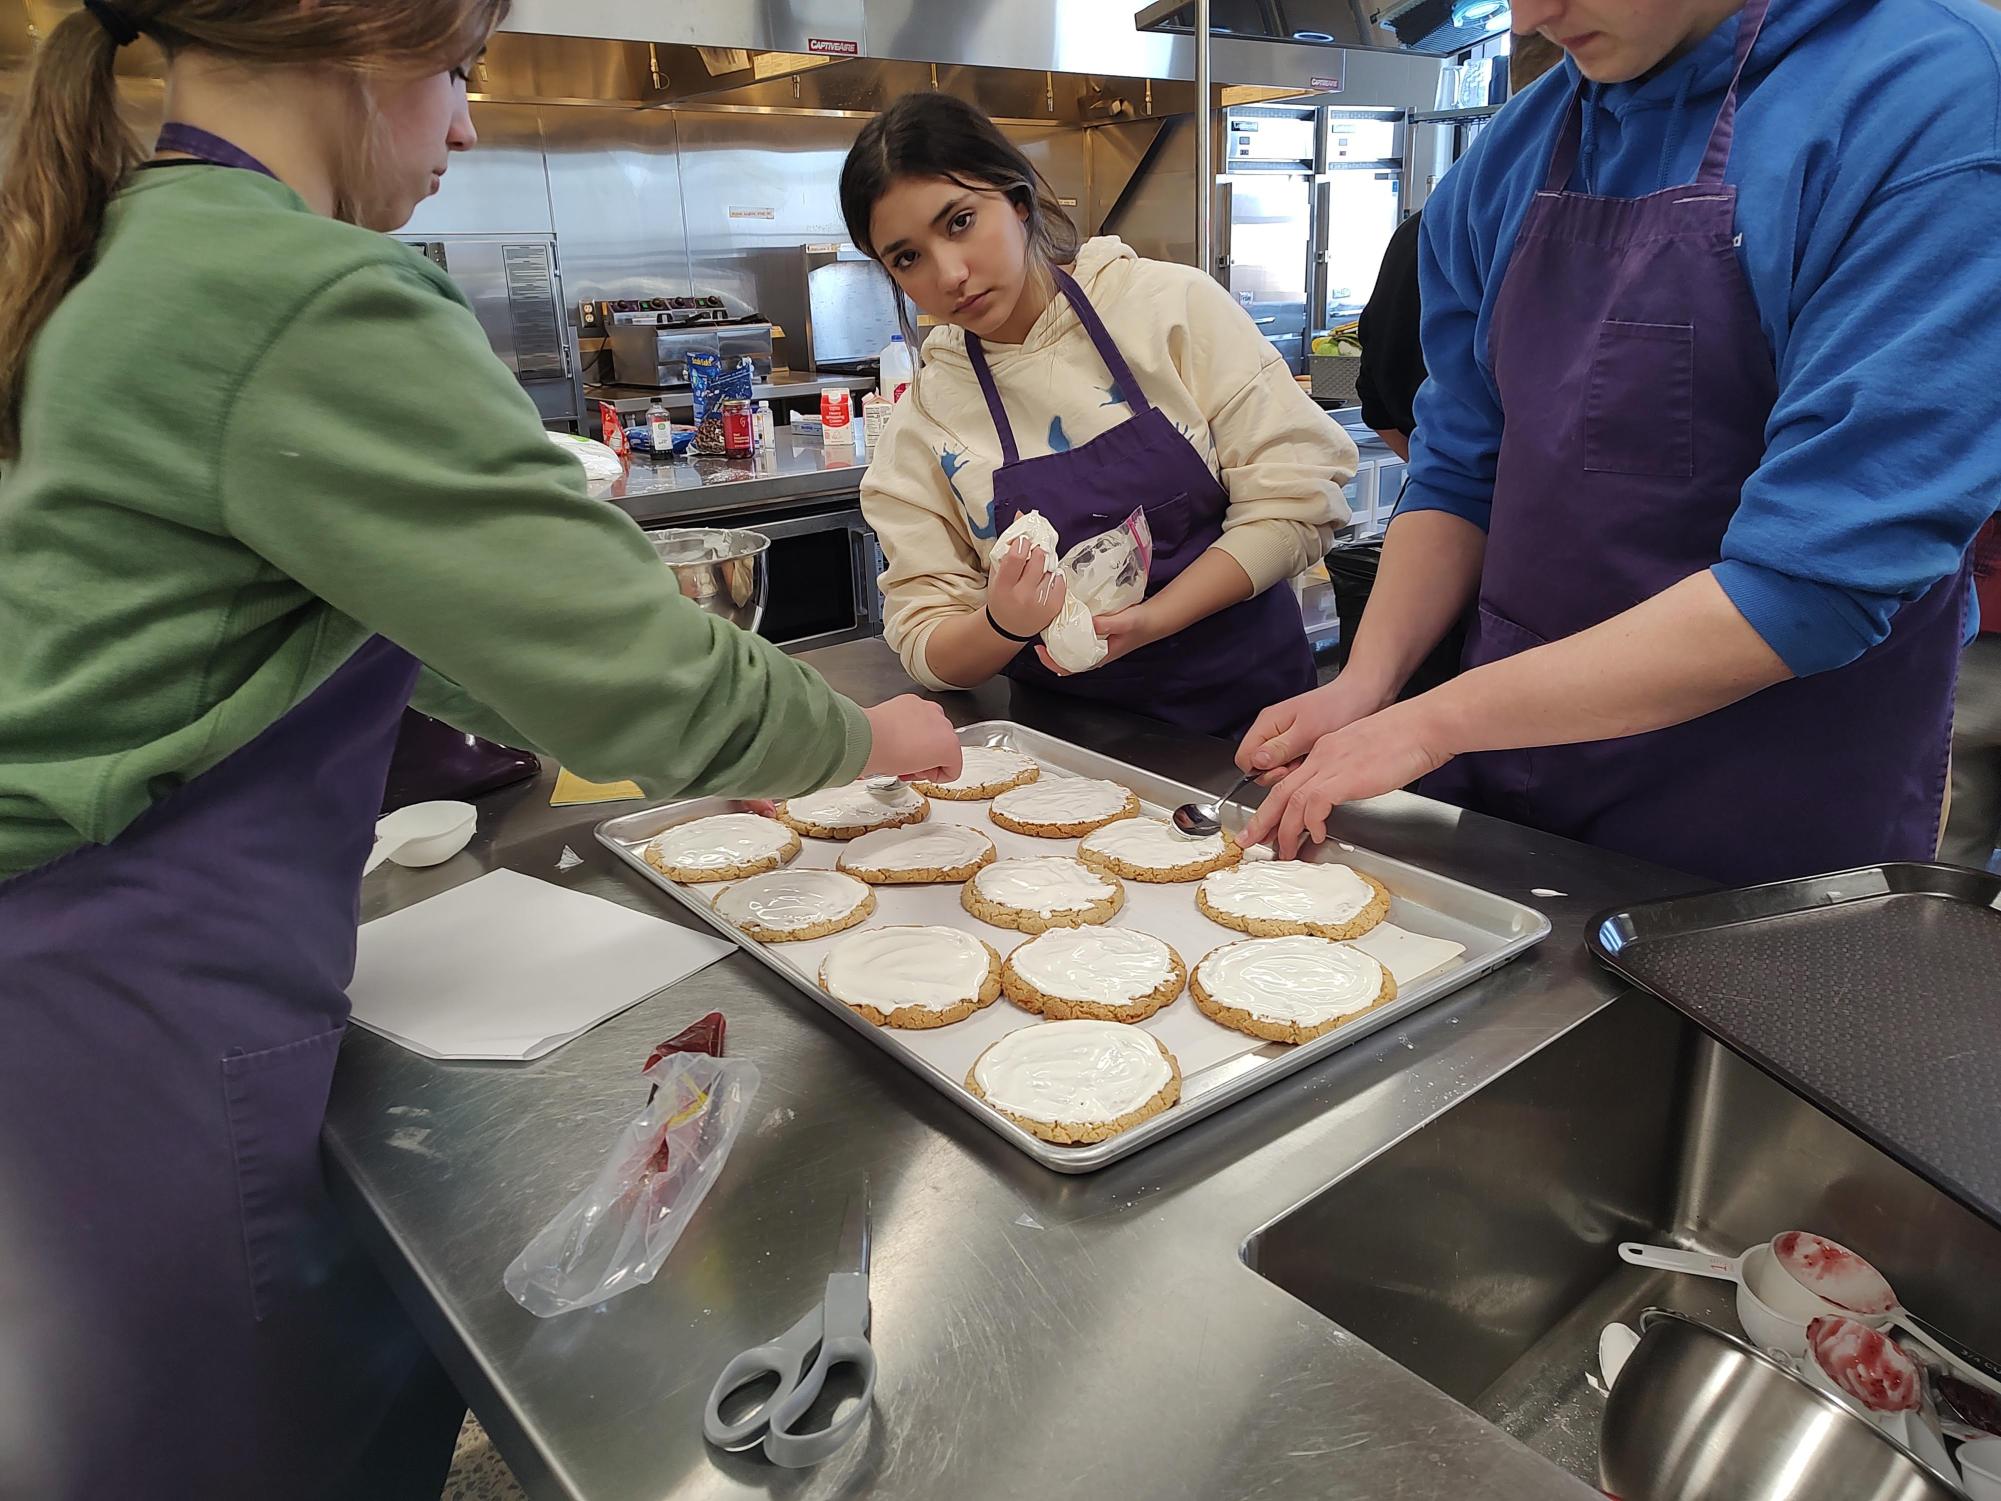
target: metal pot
727 573
1699 1415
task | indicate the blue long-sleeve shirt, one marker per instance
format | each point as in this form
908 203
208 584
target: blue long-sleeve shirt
1868 167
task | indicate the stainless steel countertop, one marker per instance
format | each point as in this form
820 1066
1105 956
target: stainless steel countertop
792 472
1087 1338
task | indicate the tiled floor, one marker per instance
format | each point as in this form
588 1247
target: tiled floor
479 1473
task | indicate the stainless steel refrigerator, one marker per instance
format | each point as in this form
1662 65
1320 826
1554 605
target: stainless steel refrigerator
1307 199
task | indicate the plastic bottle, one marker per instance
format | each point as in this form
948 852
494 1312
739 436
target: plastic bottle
660 428
894 369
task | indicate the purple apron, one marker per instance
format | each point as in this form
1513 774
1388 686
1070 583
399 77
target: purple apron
1218 674
173 1003
1637 382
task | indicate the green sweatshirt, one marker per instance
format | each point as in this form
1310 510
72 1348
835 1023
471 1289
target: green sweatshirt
252 438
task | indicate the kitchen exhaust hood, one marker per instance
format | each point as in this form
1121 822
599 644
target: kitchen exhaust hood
1432 27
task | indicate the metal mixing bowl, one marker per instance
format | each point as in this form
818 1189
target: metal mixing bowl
727 573
1699 1415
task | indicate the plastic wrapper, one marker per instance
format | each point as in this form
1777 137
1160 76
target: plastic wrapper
713 383
1101 575
615 1235
601 464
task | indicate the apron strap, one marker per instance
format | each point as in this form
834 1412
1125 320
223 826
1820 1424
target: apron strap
1108 351
192 140
976 352
1563 156
1750 21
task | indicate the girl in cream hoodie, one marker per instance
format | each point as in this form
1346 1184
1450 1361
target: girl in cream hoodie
1081 382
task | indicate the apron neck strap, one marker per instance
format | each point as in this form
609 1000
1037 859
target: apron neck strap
977 353
1715 157
192 140
1115 363
1750 21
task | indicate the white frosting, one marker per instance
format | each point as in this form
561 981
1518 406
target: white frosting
1073 1073
1289 891
1048 885
1063 800
1304 980
986 765
917 846
720 842
1111 966
855 805
1152 844
890 968
791 899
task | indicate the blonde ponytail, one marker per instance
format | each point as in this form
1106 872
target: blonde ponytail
66 152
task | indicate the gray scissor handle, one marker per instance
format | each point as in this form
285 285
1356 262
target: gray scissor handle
784 1357
844 1343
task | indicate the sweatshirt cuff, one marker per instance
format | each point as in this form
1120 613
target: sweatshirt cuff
860 741
1268 551
1813 627
1418 496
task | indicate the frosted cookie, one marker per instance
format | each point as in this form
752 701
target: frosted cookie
856 809
1152 849
790 906
1037 895
1077 1081
917 854
726 847
912 976
1278 897
1289 989
987 772
1062 807
1106 974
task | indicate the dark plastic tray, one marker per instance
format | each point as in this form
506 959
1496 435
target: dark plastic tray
1875 993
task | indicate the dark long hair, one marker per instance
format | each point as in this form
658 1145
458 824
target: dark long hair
935 135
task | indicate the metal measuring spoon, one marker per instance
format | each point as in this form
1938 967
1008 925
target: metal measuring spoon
1201 820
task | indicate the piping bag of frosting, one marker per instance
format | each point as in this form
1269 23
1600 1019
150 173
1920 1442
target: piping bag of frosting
615 1234
1101 575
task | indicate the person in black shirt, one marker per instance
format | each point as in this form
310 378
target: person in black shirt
1392 370
1392 362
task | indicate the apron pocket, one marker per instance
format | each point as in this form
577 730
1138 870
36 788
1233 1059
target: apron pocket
1639 403
276 1101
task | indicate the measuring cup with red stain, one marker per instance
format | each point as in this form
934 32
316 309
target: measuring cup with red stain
1825 1273
1870 1370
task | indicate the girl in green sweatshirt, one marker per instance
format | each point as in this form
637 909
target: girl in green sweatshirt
230 552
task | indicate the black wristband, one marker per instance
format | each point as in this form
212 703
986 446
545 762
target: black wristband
1003 630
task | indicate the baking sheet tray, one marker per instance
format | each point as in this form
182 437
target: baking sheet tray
1430 916
1875 993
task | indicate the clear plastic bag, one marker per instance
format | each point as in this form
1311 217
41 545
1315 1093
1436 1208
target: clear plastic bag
1101 576
614 1235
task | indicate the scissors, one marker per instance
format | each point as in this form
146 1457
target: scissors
832 1335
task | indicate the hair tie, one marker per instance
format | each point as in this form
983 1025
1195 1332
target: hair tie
120 27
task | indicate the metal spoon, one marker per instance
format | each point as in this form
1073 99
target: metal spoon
1201 820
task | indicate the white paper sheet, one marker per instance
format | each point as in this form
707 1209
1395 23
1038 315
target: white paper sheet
1166 911
509 967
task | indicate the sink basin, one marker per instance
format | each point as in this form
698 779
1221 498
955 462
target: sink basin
1481 1250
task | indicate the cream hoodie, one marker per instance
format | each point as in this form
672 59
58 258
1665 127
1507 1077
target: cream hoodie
929 489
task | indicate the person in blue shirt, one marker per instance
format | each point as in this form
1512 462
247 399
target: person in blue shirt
1712 315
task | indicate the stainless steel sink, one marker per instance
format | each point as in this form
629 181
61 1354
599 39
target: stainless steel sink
1480 1251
